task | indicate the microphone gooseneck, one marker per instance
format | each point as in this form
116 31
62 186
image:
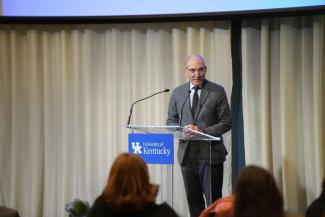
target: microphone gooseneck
181 114
129 119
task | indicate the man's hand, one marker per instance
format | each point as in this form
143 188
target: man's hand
190 128
193 127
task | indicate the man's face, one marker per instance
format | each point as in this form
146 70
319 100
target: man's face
195 71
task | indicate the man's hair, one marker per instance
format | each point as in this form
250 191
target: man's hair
257 194
197 56
128 188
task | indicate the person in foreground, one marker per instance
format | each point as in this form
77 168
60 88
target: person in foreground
8 212
202 106
257 194
317 207
129 192
223 207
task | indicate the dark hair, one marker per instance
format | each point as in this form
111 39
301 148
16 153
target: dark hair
257 194
128 188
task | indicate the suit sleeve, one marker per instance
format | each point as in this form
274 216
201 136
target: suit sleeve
224 117
173 117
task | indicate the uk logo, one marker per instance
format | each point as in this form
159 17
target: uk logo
136 148
153 148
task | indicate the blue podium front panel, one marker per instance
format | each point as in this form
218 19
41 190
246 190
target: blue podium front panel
153 148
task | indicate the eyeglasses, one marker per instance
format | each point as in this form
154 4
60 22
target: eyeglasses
199 70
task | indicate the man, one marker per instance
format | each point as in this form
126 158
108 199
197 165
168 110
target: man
200 105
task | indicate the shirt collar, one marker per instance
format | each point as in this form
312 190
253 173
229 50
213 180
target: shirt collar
192 85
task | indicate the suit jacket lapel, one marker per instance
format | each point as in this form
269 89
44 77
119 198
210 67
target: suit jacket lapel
187 106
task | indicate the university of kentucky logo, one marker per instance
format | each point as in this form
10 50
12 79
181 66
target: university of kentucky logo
136 147
153 148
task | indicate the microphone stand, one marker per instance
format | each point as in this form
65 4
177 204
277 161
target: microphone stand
129 119
181 114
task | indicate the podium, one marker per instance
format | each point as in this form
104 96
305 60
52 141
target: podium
178 131
166 169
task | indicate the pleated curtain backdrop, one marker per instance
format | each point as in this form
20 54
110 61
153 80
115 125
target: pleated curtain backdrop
283 103
65 94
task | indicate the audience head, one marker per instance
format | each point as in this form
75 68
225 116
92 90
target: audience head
128 187
225 207
222 207
257 194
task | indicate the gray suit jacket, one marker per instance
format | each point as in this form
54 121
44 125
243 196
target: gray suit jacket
213 116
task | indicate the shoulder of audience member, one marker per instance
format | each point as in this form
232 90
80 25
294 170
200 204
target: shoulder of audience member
165 210
6 211
316 208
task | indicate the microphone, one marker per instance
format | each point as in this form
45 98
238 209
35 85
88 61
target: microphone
181 114
166 90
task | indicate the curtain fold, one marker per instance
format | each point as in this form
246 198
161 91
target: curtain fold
283 103
65 94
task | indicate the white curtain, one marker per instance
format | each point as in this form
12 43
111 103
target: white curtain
283 103
65 94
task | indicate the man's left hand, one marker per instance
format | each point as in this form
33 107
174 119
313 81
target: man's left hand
193 127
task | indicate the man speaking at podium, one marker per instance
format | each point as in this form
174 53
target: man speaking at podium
200 105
